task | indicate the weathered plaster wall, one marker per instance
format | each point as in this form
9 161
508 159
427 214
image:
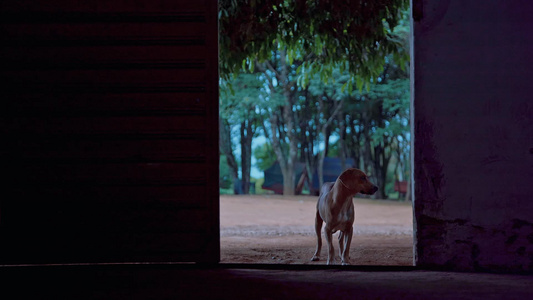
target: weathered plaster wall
473 139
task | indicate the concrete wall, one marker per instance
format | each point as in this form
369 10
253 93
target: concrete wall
473 134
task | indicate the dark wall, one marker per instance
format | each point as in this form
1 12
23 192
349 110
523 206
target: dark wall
473 134
109 133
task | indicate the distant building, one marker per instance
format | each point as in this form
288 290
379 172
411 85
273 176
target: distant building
274 177
332 169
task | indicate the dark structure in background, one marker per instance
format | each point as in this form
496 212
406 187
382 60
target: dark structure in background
332 169
109 133
274 178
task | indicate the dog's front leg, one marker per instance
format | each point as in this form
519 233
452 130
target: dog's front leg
341 241
331 252
347 241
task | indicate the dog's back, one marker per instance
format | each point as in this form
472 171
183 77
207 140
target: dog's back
320 205
326 187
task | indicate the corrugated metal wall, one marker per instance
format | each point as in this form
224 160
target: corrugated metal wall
109 132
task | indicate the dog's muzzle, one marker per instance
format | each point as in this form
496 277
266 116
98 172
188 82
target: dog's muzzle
374 189
370 191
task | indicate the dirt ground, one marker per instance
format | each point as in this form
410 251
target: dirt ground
273 229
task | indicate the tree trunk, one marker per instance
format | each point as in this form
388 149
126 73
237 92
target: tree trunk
326 133
396 176
280 134
301 182
381 163
309 157
368 166
355 149
408 192
289 181
321 156
246 154
376 170
286 163
288 174
342 141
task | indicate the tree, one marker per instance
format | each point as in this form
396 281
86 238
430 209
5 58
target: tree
280 80
330 98
322 34
291 42
241 108
377 120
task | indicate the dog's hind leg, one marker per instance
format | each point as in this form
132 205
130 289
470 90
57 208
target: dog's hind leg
318 229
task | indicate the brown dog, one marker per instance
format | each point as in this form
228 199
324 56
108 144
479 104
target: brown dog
335 207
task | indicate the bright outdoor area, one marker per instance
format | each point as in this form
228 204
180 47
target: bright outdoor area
307 90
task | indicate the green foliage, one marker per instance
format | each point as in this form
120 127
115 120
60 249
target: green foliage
333 149
222 191
248 92
305 57
265 156
225 180
258 187
351 35
333 87
391 108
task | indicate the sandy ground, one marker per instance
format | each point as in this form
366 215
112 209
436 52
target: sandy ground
280 230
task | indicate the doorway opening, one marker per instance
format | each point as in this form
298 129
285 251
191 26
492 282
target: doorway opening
291 120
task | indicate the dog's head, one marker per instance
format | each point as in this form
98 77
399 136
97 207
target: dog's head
357 181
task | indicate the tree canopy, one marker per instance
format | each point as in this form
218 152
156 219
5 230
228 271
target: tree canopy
293 65
355 35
